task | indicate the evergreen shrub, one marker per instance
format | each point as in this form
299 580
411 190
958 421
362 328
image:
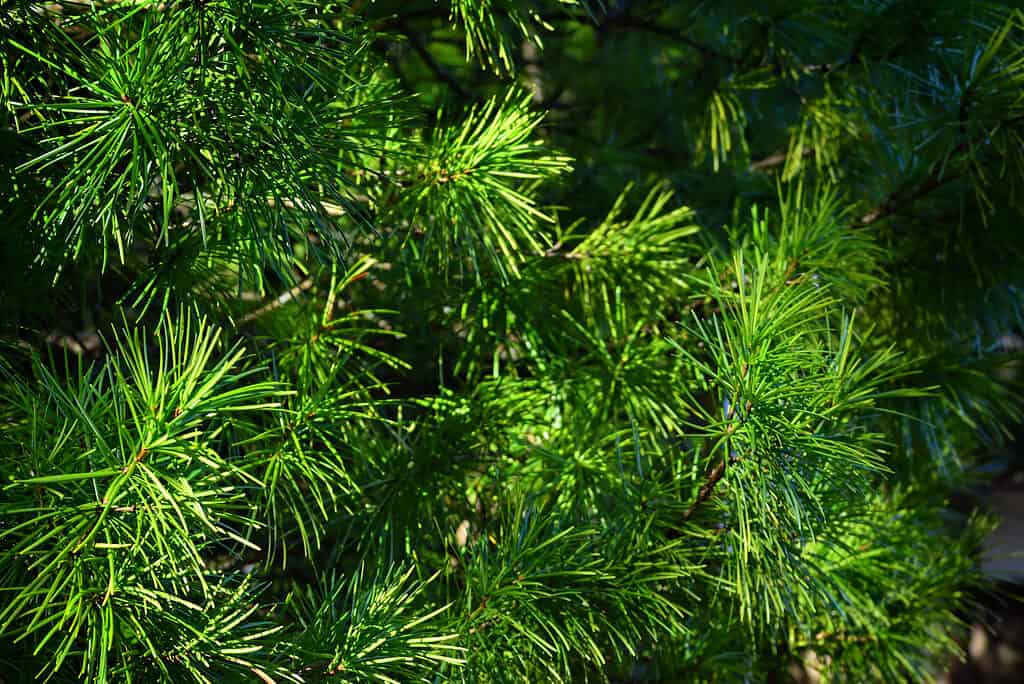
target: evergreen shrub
502 340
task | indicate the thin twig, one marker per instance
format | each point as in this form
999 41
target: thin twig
627 21
328 208
768 162
707 488
382 48
432 64
776 159
279 301
897 200
900 199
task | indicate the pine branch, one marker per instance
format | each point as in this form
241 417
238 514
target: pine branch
777 159
535 395
900 200
713 477
278 301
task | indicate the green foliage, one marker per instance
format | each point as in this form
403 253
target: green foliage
542 597
472 193
120 482
366 632
492 26
502 341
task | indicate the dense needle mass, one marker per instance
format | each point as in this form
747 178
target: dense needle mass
501 341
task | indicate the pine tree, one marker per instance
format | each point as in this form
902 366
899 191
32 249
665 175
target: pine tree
502 340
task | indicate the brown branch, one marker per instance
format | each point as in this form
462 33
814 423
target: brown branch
554 251
717 473
707 488
828 67
776 159
278 301
898 200
768 162
826 636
